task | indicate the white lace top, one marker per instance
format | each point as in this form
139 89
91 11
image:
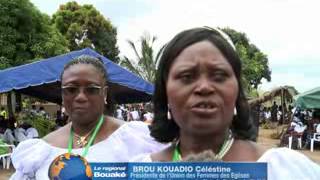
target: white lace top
33 157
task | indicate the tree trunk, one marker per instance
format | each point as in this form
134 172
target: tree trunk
9 105
18 102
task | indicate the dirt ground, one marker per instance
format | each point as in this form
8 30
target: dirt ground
263 140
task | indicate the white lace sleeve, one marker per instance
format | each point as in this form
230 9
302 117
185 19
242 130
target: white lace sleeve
284 163
142 158
28 157
134 139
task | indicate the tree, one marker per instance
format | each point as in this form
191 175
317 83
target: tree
146 61
83 26
255 62
26 34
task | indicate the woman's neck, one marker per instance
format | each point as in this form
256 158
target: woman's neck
190 144
85 128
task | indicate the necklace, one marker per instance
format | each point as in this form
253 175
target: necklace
222 152
92 138
82 140
74 166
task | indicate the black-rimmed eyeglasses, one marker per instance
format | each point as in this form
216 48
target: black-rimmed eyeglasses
90 90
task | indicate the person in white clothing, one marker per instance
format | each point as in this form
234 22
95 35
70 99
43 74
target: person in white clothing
8 136
318 128
199 105
31 132
148 115
134 114
89 133
119 113
20 134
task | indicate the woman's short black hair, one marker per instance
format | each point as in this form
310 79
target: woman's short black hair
164 130
86 59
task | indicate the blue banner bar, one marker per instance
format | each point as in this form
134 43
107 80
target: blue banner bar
180 170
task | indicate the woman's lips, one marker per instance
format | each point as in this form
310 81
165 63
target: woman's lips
204 111
80 109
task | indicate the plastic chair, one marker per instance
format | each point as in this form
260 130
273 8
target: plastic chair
6 158
316 137
299 142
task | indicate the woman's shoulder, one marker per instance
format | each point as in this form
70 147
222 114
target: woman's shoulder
58 137
286 163
244 150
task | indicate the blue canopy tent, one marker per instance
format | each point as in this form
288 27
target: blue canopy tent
41 79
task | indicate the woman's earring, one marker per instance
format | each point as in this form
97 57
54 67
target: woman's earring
168 113
105 101
235 111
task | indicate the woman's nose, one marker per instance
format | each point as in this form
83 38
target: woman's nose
81 95
204 86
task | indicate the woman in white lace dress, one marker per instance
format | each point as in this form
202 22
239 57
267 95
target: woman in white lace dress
89 133
200 105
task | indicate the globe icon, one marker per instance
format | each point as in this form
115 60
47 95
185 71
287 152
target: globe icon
70 167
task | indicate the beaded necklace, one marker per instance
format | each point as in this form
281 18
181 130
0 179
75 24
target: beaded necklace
222 152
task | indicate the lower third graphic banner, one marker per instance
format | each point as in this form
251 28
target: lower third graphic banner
180 170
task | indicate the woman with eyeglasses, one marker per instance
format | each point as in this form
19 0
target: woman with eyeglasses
199 105
90 136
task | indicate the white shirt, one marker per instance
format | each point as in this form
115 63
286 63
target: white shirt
135 115
32 133
8 136
148 116
298 126
20 134
318 128
119 114
268 114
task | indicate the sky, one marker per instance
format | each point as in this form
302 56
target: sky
286 30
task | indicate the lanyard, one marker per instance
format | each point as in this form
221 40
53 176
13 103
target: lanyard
92 138
176 154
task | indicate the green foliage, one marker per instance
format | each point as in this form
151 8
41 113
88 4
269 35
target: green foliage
3 150
26 34
43 125
255 62
146 61
83 26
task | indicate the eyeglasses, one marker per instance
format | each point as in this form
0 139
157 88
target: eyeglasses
75 90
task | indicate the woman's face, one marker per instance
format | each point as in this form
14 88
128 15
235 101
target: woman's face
83 93
202 90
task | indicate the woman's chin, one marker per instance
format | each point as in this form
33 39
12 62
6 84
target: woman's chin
80 117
